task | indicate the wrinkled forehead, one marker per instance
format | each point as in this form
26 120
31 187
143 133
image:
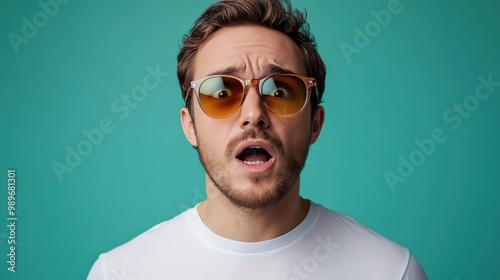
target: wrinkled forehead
248 52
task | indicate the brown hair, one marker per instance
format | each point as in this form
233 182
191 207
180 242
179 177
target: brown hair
274 14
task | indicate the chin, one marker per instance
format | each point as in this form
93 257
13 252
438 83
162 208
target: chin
256 195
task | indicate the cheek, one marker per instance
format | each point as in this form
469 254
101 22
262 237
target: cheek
296 135
211 136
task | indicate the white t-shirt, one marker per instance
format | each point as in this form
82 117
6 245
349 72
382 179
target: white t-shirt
325 245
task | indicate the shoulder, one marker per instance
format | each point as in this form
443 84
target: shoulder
170 231
352 233
153 248
167 235
360 248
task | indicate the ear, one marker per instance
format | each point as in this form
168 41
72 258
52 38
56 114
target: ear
317 124
188 127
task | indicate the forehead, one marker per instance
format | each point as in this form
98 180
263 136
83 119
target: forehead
247 52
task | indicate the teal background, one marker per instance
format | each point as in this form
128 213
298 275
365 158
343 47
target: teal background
394 91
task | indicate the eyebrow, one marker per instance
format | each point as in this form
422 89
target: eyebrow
269 69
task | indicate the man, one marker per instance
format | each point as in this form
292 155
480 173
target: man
252 80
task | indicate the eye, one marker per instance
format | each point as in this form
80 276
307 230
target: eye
281 93
223 93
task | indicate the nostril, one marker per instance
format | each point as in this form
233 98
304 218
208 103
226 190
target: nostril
260 123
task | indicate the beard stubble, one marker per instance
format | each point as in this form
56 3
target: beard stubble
290 167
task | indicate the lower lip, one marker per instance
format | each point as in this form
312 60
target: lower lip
256 168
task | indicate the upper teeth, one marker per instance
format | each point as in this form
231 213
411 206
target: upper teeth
255 147
254 162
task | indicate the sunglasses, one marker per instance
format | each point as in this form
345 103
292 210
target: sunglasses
220 96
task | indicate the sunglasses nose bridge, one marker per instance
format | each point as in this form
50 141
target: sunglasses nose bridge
251 82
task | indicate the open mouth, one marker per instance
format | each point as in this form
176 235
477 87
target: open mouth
254 155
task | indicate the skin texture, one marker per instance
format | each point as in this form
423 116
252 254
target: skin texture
242 204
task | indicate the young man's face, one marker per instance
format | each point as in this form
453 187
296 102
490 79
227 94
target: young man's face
254 178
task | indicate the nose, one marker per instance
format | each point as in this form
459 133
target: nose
253 110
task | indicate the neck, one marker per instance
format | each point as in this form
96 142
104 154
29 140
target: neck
252 225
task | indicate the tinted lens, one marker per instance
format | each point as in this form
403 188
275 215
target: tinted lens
220 96
284 94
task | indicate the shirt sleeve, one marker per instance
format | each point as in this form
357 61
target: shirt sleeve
97 270
414 271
